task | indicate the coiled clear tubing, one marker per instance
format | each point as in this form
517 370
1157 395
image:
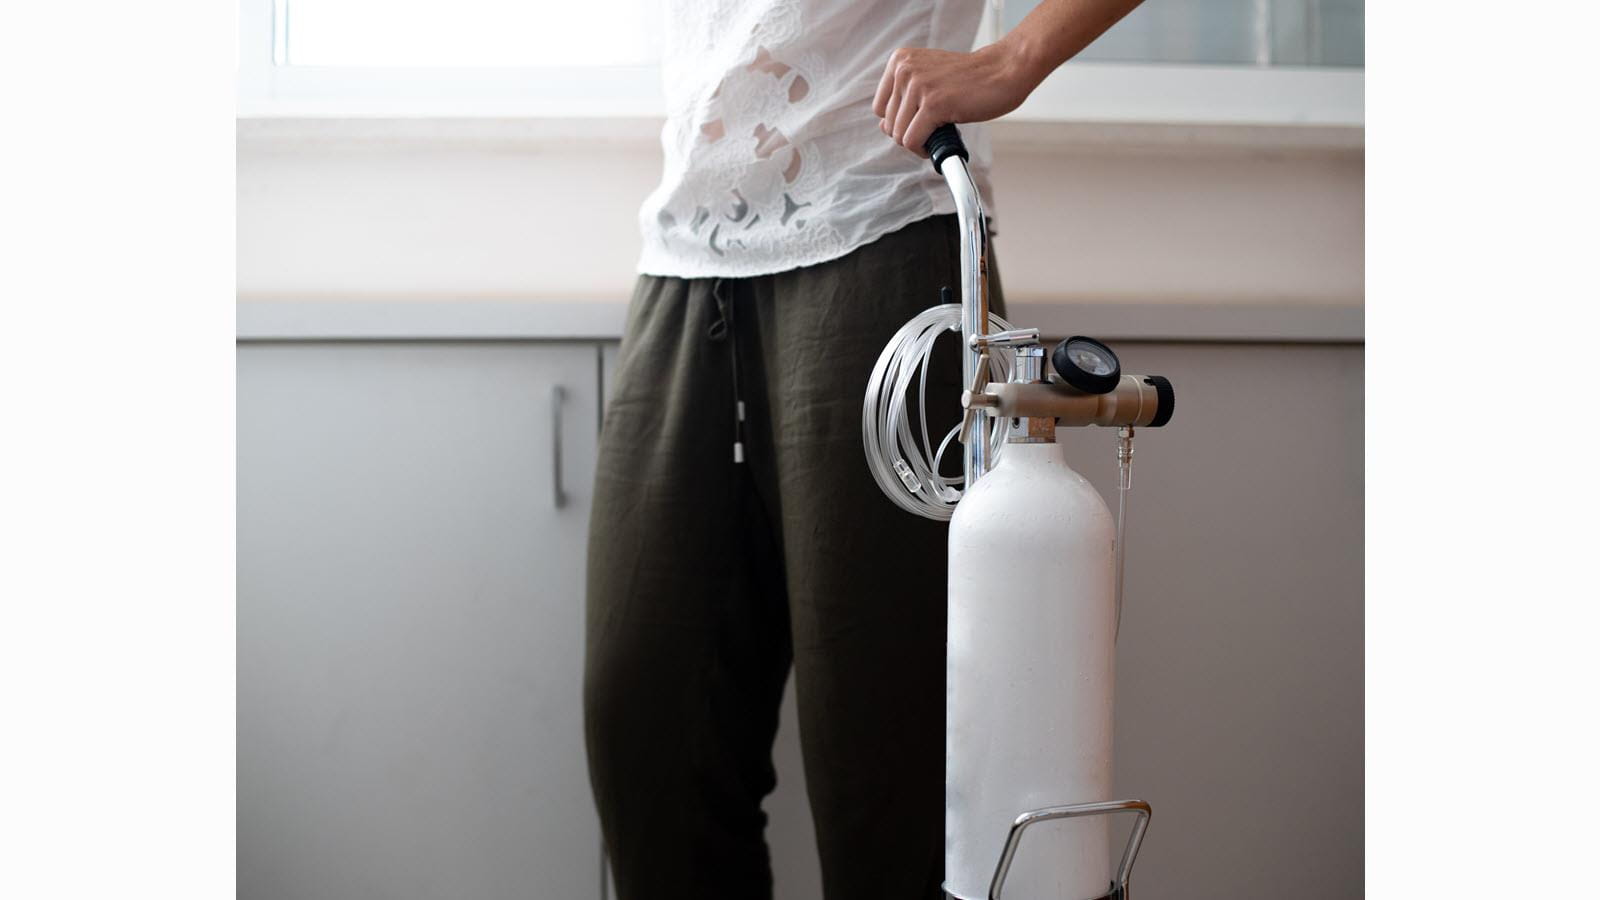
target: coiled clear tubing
908 472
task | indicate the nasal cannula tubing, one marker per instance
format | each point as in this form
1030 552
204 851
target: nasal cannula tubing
906 471
1124 484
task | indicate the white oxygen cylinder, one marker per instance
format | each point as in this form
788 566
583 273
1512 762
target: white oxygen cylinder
1029 676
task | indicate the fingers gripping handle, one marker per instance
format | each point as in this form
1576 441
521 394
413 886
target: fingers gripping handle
944 143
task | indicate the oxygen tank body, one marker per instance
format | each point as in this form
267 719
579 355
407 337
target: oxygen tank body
1029 677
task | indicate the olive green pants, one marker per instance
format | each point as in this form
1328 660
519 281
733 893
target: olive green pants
709 576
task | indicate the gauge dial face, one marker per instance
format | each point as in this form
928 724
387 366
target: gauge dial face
1090 358
1086 364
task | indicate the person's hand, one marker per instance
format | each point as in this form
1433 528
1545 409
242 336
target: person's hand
922 89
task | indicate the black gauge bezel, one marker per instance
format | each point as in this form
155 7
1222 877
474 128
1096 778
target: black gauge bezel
1088 382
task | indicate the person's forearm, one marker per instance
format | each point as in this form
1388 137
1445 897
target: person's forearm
1056 31
922 88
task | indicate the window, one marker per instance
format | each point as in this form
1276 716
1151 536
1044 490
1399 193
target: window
1236 32
1171 61
463 33
511 58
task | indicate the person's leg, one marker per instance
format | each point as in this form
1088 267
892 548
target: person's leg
866 579
688 642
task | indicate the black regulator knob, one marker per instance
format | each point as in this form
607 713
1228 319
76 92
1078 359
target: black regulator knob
1087 364
1166 401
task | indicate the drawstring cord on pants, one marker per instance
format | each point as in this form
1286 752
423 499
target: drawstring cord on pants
724 328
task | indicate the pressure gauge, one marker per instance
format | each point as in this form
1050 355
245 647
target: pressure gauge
1087 365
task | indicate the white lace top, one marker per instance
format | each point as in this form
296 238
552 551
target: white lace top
773 158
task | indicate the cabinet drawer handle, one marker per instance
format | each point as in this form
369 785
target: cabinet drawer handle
557 396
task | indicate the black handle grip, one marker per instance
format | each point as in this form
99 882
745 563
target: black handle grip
944 143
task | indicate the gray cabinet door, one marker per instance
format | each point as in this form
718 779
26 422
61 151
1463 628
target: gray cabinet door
1239 665
410 620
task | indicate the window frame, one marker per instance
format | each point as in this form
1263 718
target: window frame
1095 93
268 87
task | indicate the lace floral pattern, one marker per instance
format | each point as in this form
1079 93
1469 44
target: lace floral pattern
773 158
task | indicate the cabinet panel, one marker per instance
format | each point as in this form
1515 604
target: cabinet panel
1239 666
410 620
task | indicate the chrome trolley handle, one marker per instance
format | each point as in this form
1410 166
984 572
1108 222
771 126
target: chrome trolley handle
1119 888
949 155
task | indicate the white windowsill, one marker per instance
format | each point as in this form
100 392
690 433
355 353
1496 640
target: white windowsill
1082 103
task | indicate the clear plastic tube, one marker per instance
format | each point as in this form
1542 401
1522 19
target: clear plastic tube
1124 484
1122 518
908 472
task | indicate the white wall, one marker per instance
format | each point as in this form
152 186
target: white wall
410 213
1165 224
